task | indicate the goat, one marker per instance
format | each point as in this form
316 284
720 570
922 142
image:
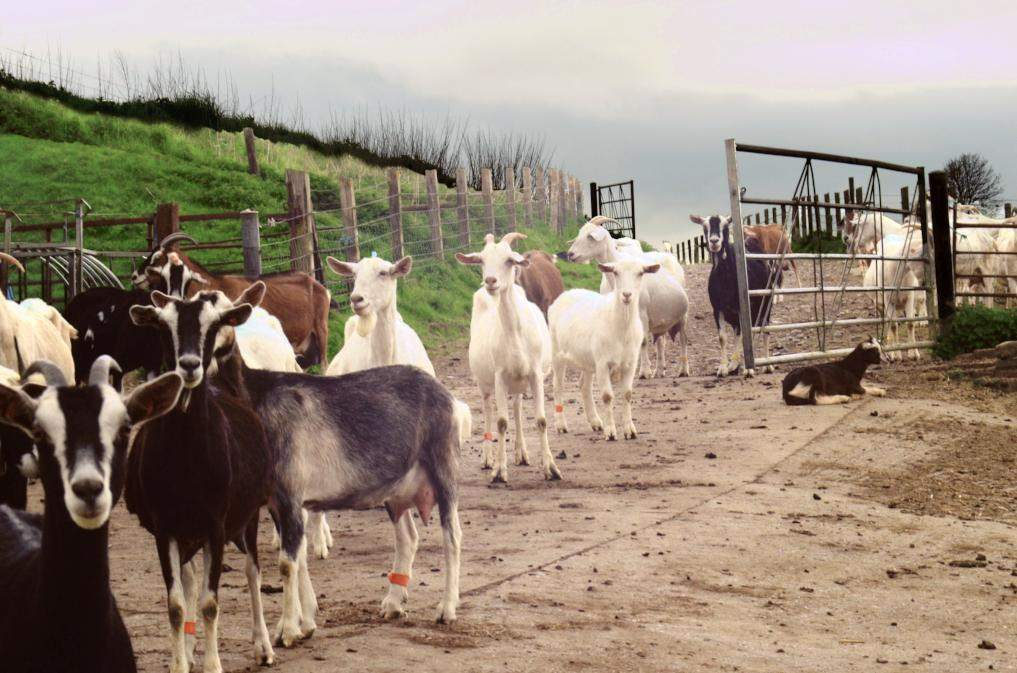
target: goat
57 613
600 335
510 352
299 302
773 240
101 317
1006 243
834 382
33 331
379 436
863 232
17 461
263 343
723 290
541 280
198 476
894 274
663 302
976 265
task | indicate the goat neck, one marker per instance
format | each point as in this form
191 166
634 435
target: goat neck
383 336
854 362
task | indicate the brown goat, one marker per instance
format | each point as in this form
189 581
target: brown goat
299 302
541 280
774 241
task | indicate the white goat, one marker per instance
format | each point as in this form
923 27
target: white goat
33 331
862 232
510 351
601 335
1006 242
663 302
895 274
263 343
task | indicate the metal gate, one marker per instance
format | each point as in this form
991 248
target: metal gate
617 201
984 257
839 316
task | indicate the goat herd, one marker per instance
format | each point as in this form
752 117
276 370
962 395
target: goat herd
226 422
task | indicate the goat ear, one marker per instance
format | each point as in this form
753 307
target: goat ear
342 268
519 260
599 233
237 315
651 268
469 258
253 295
402 267
155 398
17 409
606 268
697 219
198 278
145 316
160 299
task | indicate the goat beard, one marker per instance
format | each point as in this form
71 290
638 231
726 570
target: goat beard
366 323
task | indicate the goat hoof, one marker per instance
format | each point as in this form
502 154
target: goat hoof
446 615
523 461
610 436
499 478
630 434
563 430
750 373
288 636
263 654
553 474
485 467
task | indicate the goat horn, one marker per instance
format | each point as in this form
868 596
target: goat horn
512 237
53 375
99 373
173 238
602 219
11 260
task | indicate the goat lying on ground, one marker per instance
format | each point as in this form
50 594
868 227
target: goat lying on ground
510 352
541 280
57 614
198 476
382 436
723 290
601 335
834 382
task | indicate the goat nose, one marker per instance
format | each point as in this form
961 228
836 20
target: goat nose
189 363
356 298
490 280
87 489
627 295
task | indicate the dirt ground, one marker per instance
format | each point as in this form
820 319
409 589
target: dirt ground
735 534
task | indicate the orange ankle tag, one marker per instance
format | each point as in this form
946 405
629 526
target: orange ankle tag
488 437
400 579
191 628
559 408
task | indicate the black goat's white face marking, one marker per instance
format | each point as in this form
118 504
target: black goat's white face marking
716 229
82 430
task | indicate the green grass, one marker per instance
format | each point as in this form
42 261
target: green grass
975 327
126 168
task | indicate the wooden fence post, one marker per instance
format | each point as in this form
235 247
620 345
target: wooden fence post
562 204
301 216
905 202
487 188
463 207
167 220
250 235
541 194
8 248
395 213
510 197
527 197
851 191
79 244
579 198
827 216
1007 210
252 152
552 199
348 205
434 212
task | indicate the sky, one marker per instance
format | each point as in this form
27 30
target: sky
646 91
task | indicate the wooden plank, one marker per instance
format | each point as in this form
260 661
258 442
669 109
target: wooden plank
463 207
298 191
741 272
487 189
348 208
510 197
527 197
434 212
395 215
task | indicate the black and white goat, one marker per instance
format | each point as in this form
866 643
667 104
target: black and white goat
381 436
104 328
17 461
57 613
834 382
197 478
723 290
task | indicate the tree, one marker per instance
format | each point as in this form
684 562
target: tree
972 179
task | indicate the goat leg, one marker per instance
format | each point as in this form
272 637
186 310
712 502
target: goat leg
393 606
522 457
212 567
557 382
263 653
551 470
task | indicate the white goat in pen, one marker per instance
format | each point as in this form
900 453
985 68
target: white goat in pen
892 274
263 343
663 303
34 330
510 351
601 335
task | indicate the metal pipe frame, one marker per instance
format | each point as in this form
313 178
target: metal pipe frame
789 326
836 288
834 255
822 355
823 156
823 205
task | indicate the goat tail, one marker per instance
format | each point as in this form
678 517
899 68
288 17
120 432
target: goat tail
462 418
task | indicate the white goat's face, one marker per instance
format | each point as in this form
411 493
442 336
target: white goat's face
498 261
716 229
591 243
191 327
848 225
627 278
374 282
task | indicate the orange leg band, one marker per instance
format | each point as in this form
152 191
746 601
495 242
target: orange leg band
559 408
488 437
399 578
191 628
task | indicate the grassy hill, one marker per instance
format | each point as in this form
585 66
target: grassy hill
125 168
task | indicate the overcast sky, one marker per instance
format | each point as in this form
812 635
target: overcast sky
620 90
